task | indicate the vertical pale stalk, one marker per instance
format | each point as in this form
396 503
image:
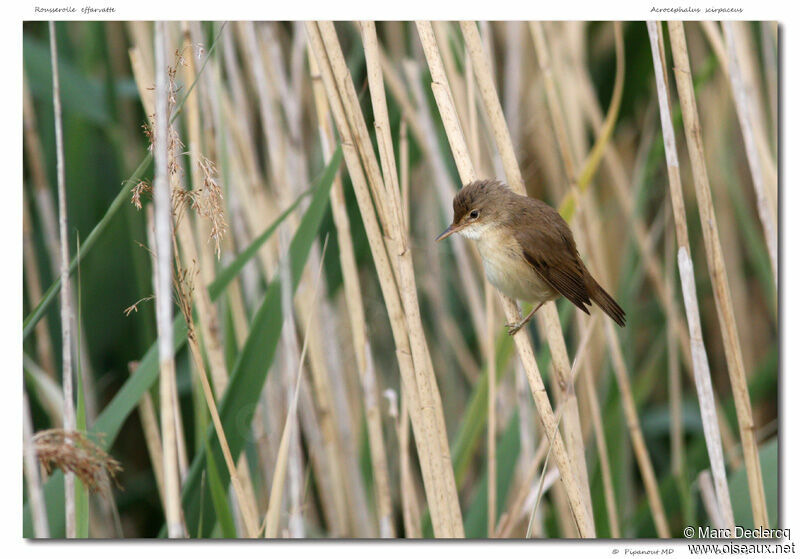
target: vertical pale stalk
333 411
744 101
441 91
556 113
66 307
702 374
200 252
31 469
445 189
46 210
654 270
163 288
709 499
152 438
513 75
246 502
675 389
433 455
548 320
718 273
398 233
292 371
355 307
411 515
589 167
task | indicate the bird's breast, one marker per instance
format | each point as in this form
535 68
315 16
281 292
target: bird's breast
507 269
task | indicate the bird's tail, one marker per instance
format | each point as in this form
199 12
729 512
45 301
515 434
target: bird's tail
607 303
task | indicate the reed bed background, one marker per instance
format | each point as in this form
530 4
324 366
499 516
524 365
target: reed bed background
237 323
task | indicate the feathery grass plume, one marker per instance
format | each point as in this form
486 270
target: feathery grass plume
73 451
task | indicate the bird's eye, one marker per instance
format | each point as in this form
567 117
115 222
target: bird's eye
474 214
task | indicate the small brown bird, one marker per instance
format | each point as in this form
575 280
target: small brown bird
527 249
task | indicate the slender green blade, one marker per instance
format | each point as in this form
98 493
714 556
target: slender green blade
81 491
220 500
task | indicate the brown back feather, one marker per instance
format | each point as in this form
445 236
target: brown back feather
549 247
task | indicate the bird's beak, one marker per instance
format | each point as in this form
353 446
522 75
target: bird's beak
447 232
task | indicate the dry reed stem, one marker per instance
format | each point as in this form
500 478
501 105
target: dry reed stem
709 498
602 454
640 449
629 406
206 311
35 161
744 101
429 445
257 211
426 380
246 500
769 30
405 190
753 82
355 307
445 190
467 173
290 459
49 220
397 243
163 288
674 385
350 502
195 149
273 510
412 521
33 287
718 273
32 478
702 373
556 113
651 265
201 254
548 319
152 437
66 307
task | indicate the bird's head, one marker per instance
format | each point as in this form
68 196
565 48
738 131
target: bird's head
477 208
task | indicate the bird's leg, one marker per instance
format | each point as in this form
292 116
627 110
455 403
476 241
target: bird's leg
514 327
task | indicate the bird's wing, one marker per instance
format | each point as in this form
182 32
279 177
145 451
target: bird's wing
549 248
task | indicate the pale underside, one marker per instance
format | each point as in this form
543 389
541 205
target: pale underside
506 267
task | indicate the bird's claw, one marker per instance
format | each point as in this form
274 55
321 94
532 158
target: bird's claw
514 327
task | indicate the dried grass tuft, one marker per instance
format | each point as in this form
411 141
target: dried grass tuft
73 451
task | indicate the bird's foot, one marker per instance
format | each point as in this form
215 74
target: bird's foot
514 327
